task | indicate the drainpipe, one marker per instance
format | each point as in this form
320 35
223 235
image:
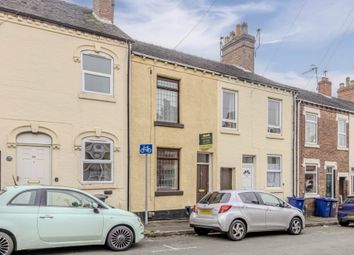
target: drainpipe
294 143
128 123
298 148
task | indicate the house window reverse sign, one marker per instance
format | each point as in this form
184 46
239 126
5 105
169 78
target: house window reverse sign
205 141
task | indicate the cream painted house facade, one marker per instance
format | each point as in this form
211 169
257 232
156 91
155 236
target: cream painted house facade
255 146
175 98
63 99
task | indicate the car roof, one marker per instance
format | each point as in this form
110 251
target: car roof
239 191
36 186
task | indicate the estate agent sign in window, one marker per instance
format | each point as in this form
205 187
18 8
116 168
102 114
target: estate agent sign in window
167 100
274 116
97 160
229 111
167 169
97 73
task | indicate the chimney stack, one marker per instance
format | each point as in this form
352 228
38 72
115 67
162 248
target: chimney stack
346 90
104 10
238 48
325 86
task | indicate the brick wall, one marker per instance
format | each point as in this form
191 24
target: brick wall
327 151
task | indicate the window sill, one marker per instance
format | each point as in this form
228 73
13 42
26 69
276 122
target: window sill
311 195
168 124
169 193
96 97
274 189
275 136
229 131
312 145
342 149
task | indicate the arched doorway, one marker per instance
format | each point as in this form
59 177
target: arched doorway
33 158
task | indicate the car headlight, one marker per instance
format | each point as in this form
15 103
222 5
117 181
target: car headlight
139 220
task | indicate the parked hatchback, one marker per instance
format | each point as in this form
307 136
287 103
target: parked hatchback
37 217
346 212
240 212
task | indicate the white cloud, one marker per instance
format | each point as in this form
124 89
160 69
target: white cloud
166 22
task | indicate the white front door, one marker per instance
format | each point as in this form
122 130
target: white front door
247 176
33 164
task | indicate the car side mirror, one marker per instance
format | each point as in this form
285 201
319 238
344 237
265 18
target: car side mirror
95 208
283 204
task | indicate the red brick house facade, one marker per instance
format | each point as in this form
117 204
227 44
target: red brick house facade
323 147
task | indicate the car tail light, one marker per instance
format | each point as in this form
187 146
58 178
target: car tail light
224 208
194 209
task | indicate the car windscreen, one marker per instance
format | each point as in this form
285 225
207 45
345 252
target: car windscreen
215 198
349 200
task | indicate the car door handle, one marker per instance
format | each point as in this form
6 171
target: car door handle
46 217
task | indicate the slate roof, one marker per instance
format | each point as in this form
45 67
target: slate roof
202 63
64 14
224 69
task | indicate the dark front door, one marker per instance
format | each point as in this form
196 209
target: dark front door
202 181
226 178
342 191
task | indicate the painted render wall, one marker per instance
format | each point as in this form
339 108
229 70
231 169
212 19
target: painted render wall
40 92
198 114
253 138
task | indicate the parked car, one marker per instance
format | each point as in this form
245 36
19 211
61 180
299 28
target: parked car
37 217
346 212
240 212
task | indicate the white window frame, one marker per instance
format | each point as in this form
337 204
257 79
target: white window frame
236 109
316 129
83 72
340 133
280 116
83 160
275 171
316 181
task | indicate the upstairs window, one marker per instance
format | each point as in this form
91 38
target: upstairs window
274 116
342 133
97 160
167 100
97 73
229 109
311 128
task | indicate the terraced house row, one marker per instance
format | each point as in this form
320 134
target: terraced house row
78 96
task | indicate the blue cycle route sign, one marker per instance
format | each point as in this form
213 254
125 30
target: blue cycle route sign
145 149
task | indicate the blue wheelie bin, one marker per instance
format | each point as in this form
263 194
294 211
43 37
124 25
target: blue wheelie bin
297 202
323 207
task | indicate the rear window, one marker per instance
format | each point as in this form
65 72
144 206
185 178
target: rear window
349 200
215 198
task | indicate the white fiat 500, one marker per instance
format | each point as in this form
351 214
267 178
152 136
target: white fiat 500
37 217
240 212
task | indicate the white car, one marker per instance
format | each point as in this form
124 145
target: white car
240 212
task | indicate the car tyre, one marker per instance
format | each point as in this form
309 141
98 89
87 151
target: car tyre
201 231
344 223
120 238
237 230
295 227
6 244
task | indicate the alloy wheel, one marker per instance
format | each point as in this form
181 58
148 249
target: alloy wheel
121 238
296 226
6 244
238 230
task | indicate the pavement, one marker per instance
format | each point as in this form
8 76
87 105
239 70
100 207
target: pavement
181 227
325 240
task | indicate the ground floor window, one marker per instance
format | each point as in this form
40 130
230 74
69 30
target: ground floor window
311 179
167 169
97 160
273 171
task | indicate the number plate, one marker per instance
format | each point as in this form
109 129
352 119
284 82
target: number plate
204 211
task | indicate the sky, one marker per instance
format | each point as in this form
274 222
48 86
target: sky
295 34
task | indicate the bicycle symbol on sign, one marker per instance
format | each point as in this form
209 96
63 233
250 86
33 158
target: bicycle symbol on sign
145 149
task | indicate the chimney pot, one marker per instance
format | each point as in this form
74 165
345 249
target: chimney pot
325 86
238 29
347 81
104 10
346 90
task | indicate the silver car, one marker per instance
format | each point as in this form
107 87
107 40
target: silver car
240 212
